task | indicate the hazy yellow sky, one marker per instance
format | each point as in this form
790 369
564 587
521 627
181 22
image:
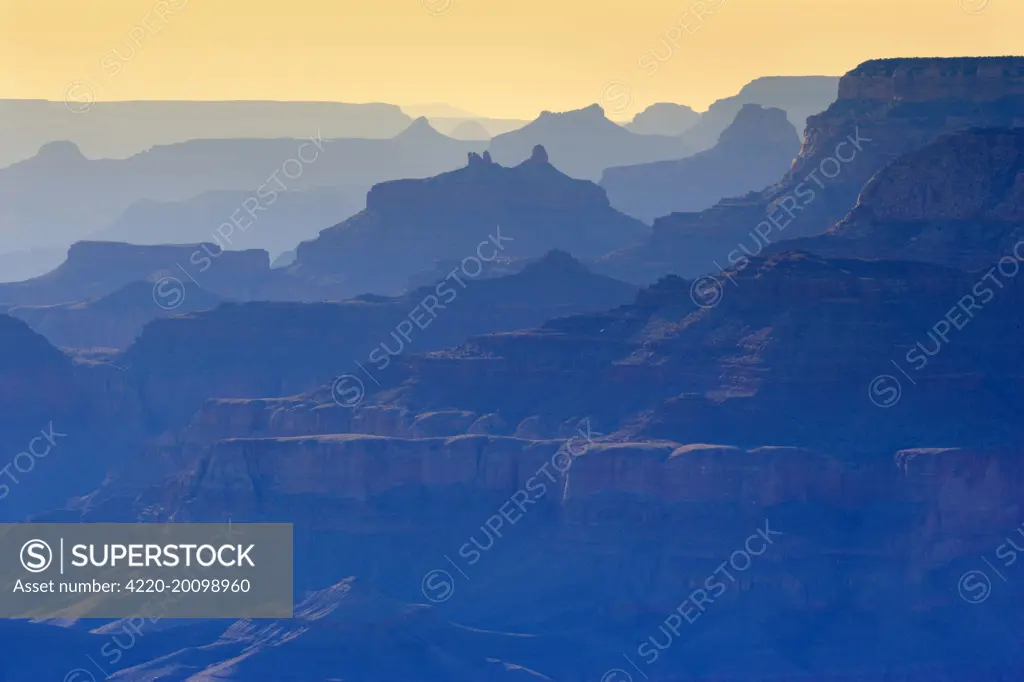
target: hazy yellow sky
493 57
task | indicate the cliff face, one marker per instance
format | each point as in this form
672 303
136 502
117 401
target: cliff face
266 454
609 539
958 201
751 153
921 80
906 104
786 354
410 224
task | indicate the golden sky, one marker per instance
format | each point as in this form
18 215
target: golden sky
508 58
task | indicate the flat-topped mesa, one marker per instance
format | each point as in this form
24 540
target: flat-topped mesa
94 254
889 107
492 182
63 151
95 269
970 79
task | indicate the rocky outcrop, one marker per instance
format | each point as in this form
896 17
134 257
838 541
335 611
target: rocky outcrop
518 212
958 202
584 142
842 148
751 153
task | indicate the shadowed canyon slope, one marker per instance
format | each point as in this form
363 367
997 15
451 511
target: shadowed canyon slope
885 109
246 350
788 351
958 202
302 345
